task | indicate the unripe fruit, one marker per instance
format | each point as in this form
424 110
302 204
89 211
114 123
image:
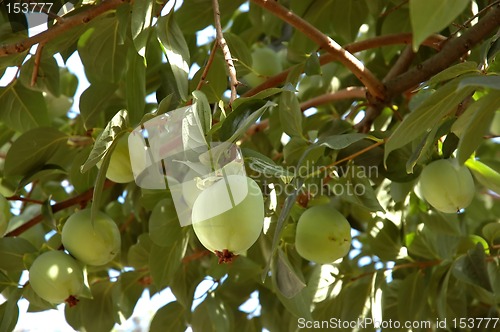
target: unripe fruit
4 215
228 222
120 169
190 190
265 63
56 277
323 235
447 186
91 244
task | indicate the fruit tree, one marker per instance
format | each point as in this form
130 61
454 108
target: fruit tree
337 162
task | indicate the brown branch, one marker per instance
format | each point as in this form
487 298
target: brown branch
372 83
433 41
207 67
227 53
36 65
479 13
24 199
353 92
61 27
452 50
84 197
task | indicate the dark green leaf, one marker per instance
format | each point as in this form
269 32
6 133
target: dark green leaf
127 291
202 112
287 281
471 268
338 142
164 227
290 114
171 315
136 86
164 261
12 251
94 101
481 81
412 297
211 316
454 71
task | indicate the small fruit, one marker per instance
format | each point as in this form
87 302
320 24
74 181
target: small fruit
120 169
228 216
447 186
91 244
323 235
4 215
265 63
56 277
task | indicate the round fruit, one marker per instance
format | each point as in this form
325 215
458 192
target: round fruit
323 235
265 63
91 244
120 169
495 124
447 186
4 215
229 215
56 277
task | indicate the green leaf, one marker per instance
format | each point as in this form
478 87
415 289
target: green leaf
481 81
477 121
338 142
412 297
347 17
127 291
290 114
261 95
240 52
47 80
269 169
384 239
33 149
164 227
12 251
142 16
486 175
138 254
211 316
288 283
97 314
491 232
176 49
202 112
429 16
136 86
82 181
104 59
9 312
215 82
471 268
164 261
454 71
426 115
171 315
312 66
94 101
22 109
245 122
426 143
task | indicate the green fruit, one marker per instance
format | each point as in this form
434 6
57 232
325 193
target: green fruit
190 190
231 219
265 63
447 186
495 124
120 169
4 215
323 235
91 244
56 277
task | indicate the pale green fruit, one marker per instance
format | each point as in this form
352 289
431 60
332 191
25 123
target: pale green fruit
56 277
91 244
190 190
265 63
120 169
221 225
495 124
447 186
4 215
323 235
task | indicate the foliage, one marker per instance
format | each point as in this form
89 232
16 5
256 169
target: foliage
351 131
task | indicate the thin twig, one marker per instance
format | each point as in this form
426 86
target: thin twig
227 53
372 83
36 66
466 23
84 197
352 92
24 199
56 30
393 9
207 67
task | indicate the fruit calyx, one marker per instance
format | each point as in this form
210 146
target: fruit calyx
225 256
72 301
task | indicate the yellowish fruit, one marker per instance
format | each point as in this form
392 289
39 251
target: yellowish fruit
265 63
56 277
447 186
228 216
91 244
323 235
120 169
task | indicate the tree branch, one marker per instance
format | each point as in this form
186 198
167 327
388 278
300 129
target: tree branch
61 27
352 92
452 50
83 197
225 50
207 67
36 65
433 41
372 83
